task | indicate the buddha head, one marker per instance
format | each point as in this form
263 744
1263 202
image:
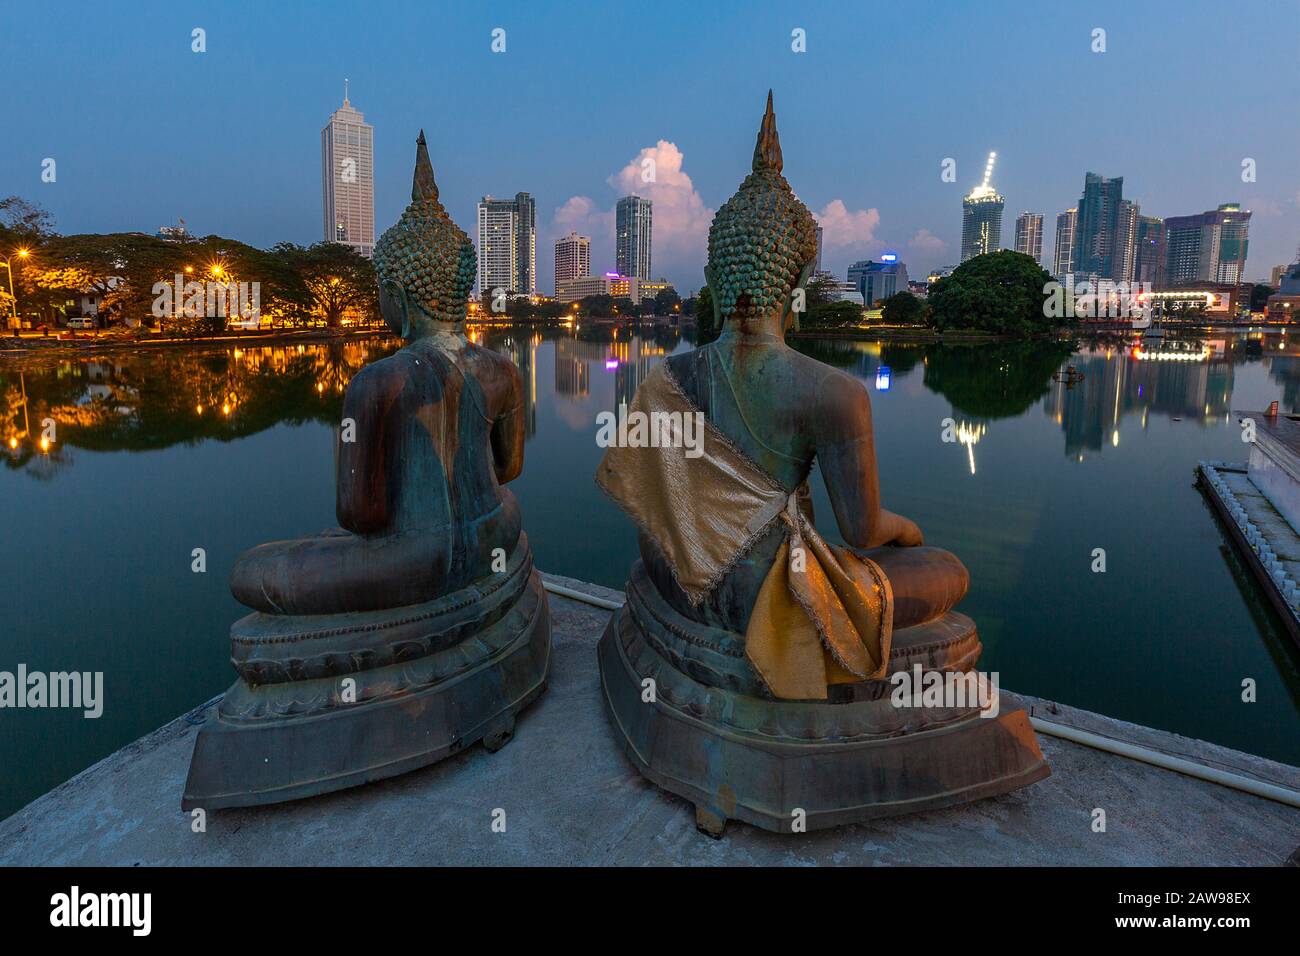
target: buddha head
763 241
425 263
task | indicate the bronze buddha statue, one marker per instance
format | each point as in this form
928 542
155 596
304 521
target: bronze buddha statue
767 653
420 625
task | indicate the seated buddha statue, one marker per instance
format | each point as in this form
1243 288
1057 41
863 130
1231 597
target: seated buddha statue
751 668
419 626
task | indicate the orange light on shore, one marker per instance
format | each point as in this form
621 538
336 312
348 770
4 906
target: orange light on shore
13 443
23 253
45 443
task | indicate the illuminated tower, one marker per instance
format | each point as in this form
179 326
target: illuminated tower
347 153
981 217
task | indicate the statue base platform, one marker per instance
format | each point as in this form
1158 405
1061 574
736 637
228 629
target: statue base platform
853 757
326 702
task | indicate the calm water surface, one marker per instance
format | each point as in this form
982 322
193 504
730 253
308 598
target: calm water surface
161 453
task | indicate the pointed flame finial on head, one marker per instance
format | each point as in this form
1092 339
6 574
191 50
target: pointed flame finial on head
422 185
767 151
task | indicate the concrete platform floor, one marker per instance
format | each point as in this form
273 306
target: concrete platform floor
571 798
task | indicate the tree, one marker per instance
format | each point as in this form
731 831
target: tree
832 315
1259 294
820 290
1000 292
336 278
903 308
23 223
596 306
666 300
707 327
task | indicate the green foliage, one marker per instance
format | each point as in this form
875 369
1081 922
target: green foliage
707 327
820 290
832 315
1000 292
903 308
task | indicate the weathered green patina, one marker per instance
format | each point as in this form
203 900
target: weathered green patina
419 626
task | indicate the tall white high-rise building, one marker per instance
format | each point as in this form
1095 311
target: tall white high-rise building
634 228
1063 261
507 244
1029 234
572 258
347 158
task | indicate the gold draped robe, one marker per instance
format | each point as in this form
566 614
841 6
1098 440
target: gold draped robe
824 615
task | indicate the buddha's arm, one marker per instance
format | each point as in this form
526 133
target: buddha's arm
508 429
362 504
846 454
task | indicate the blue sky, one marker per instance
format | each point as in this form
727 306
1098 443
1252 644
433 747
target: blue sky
145 131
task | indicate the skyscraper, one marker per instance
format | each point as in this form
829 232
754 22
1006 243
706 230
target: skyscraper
1063 261
525 243
347 159
1209 247
633 231
981 217
1095 228
507 244
1125 241
1029 234
572 258
1149 251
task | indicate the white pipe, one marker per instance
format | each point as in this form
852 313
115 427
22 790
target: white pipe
1224 778
1155 758
582 596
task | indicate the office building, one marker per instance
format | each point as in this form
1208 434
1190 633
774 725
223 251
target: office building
1029 235
1208 247
572 257
507 244
632 238
1096 227
347 153
876 281
1063 260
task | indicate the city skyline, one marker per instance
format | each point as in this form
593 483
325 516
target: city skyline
877 190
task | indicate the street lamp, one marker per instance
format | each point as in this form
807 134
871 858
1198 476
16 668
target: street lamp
13 299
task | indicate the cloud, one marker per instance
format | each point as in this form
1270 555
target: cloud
926 243
580 214
681 219
842 227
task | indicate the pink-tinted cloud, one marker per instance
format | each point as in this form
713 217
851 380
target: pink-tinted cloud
842 227
926 243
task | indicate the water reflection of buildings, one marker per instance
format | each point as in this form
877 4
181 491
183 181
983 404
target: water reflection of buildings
1116 384
635 359
521 348
573 361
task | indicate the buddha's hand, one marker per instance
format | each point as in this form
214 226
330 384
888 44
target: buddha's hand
898 531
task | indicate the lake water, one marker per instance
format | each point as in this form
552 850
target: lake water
159 453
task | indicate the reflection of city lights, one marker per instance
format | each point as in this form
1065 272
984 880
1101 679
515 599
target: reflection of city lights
198 409
1114 438
611 364
225 409
13 443
969 435
882 378
45 443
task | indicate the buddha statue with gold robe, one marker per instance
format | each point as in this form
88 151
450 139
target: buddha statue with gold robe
420 625
753 668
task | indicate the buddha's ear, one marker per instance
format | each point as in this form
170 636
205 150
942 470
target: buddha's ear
713 299
804 275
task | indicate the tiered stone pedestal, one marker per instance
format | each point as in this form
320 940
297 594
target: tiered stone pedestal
331 701
774 764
